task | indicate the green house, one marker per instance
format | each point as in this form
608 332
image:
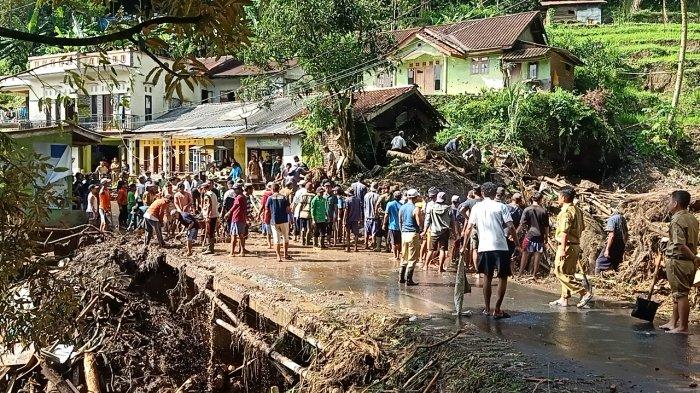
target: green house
473 55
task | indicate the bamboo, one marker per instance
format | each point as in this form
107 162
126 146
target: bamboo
92 378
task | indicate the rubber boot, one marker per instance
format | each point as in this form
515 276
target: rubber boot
409 277
402 279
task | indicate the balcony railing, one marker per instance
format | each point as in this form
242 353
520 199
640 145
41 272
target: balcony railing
110 122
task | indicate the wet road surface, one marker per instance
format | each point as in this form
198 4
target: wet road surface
601 341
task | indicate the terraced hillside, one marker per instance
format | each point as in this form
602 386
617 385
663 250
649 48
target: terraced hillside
649 52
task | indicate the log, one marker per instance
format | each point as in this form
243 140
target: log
55 379
554 182
246 334
400 155
290 328
92 378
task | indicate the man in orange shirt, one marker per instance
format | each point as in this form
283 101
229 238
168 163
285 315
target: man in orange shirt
105 206
122 201
154 218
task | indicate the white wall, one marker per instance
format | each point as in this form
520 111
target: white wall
290 145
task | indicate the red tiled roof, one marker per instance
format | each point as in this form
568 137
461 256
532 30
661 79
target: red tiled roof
369 100
211 62
477 34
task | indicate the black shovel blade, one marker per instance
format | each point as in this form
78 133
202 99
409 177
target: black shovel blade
645 309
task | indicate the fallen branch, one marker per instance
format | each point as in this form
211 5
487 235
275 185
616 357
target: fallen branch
92 378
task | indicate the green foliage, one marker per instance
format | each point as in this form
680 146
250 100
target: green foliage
557 126
319 120
34 306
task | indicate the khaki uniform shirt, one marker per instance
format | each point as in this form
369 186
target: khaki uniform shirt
570 222
682 230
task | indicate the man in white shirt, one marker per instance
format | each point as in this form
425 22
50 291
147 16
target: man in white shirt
210 210
492 220
398 143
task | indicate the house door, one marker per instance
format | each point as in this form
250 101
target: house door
420 78
516 73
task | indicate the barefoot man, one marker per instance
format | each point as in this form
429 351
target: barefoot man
682 261
492 220
569 228
278 205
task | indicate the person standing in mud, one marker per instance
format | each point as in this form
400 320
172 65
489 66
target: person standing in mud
492 220
371 223
353 217
410 222
568 234
392 225
278 205
210 210
380 213
613 252
471 241
319 215
535 224
440 223
681 259
154 219
237 215
332 206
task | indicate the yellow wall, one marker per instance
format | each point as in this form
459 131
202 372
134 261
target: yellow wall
239 152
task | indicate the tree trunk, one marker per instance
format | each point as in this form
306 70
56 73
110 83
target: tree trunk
663 12
681 62
636 6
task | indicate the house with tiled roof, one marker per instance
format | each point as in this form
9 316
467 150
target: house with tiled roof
473 55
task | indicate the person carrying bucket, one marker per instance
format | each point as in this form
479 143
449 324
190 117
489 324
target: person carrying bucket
681 259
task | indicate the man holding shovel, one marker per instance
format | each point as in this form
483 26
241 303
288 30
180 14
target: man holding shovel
569 227
682 261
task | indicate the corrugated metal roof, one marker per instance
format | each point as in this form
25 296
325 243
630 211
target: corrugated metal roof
218 119
369 100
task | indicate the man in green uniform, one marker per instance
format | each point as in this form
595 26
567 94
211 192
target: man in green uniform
682 261
569 227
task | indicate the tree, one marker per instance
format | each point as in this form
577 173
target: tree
212 28
34 306
681 62
334 42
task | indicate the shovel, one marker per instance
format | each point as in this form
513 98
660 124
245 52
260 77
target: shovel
646 308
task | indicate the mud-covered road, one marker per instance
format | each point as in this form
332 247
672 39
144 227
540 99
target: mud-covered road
602 342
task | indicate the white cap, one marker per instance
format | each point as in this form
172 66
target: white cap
440 197
412 193
455 198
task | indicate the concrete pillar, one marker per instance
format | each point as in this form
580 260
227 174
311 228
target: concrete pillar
131 156
167 154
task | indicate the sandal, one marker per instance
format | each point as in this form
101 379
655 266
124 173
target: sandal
502 315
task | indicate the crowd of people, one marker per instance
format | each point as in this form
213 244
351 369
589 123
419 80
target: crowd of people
490 232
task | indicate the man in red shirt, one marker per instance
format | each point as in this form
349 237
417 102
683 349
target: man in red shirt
238 213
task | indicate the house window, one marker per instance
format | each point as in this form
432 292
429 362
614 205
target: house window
228 96
437 71
480 65
532 71
148 110
411 76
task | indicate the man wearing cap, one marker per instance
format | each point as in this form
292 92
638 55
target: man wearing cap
210 210
105 206
410 222
371 223
353 217
570 225
237 216
440 223
392 225
492 220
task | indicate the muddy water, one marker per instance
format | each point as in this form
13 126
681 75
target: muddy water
601 341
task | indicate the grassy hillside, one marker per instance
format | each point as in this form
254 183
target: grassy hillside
646 54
